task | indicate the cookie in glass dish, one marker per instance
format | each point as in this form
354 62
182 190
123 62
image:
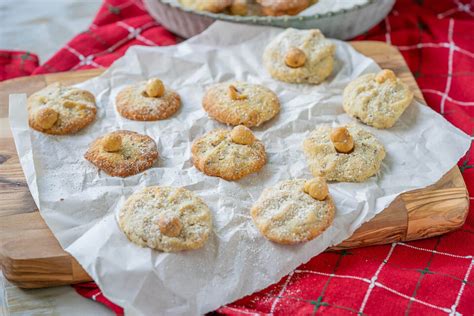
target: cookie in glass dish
300 56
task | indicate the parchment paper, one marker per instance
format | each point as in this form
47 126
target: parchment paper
79 203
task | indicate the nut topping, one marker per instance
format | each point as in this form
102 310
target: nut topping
155 88
342 140
112 142
295 58
242 135
385 75
170 226
236 94
317 188
46 117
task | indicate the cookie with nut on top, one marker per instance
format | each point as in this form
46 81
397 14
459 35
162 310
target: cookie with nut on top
122 153
377 99
60 110
345 153
147 101
166 218
229 154
240 103
284 7
294 211
300 56
214 6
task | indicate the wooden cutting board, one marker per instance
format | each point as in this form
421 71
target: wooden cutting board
31 257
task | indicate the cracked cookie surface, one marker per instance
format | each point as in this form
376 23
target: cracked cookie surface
59 109
318 56
166 218
286 214
377 99
122 153
235 103
133 103
358 165
216 154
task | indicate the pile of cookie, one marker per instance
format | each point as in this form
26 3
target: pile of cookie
249 7
293 211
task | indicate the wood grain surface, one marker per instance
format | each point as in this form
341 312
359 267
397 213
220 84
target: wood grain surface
31 257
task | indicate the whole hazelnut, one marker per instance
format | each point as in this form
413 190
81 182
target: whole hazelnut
317 188
46 117
155 88
342 139
295 58
242 135
384 75
170 226
112 142
235 94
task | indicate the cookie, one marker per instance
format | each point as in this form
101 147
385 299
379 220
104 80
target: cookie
377 99
237 103
166 218
122 153
230 155
60 110
286 214
135 103
283 7
214 6
239 7
300 56
329 154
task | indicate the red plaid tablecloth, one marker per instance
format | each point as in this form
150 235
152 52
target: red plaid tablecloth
432 276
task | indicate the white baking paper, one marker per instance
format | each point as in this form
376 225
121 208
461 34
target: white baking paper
80 203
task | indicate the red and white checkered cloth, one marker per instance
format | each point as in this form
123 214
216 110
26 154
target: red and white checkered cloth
427 277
